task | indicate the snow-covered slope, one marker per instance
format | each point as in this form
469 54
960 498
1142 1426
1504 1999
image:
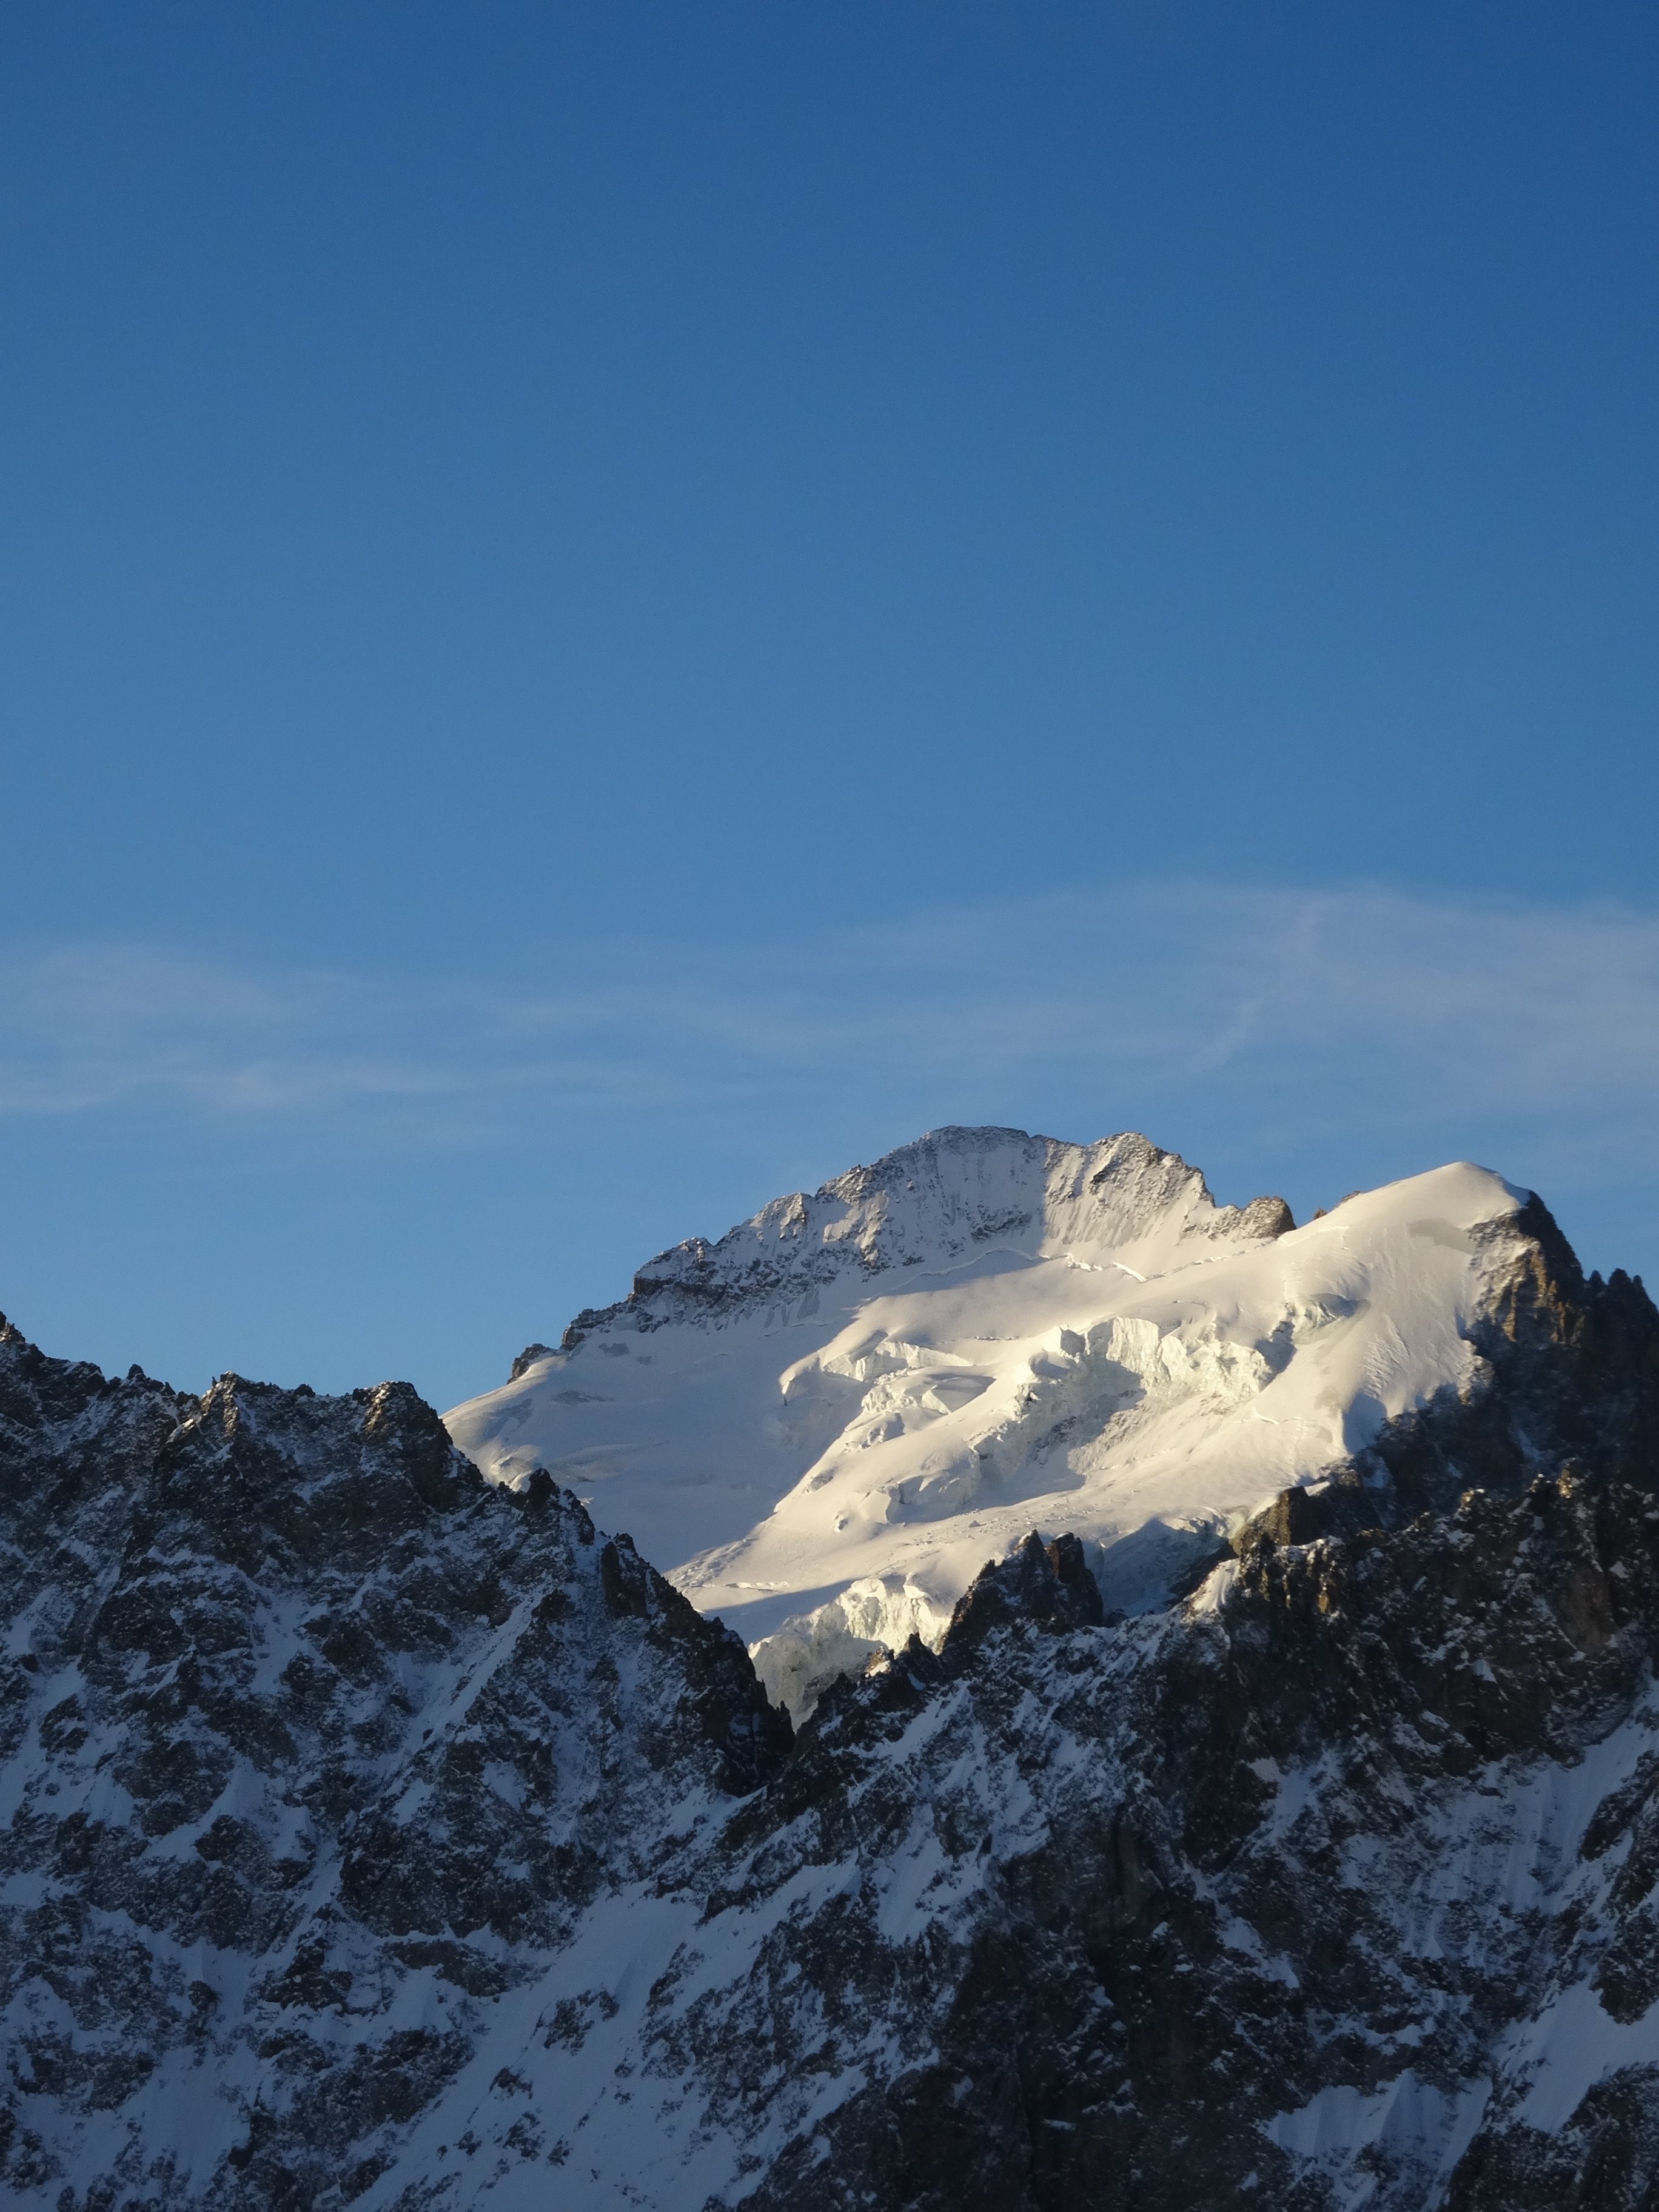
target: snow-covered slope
828 1421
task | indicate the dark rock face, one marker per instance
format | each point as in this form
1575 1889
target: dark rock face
372 1837
309 1731
527 1359
1047 1584
1569 1376
1260 1871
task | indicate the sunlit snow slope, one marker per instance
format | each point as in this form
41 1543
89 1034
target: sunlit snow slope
850 1402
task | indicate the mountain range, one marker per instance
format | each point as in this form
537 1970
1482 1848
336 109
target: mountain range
1148 1705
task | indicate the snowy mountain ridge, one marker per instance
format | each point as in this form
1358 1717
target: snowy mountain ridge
828 1420
372 1834
929 1204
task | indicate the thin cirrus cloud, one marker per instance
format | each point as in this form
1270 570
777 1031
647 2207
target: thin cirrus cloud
1304 1010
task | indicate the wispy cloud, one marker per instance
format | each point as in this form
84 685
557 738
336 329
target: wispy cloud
1307 1008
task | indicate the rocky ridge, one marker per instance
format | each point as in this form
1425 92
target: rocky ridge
316 1745
372 1834
936 1201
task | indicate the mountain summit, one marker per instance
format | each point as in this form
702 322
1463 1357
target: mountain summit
829 1419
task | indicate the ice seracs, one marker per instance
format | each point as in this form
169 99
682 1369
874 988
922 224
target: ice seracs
829 1419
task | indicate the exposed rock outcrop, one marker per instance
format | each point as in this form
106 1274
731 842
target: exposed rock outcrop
317 1745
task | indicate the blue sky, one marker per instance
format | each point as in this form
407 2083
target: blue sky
605 610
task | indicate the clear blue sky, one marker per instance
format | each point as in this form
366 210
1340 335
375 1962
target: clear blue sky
546 549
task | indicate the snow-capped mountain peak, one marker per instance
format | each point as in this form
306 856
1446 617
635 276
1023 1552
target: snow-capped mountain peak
953 1193
829 1420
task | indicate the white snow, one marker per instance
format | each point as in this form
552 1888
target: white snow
984 1333
1411 2118
880 1613
1569 2048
